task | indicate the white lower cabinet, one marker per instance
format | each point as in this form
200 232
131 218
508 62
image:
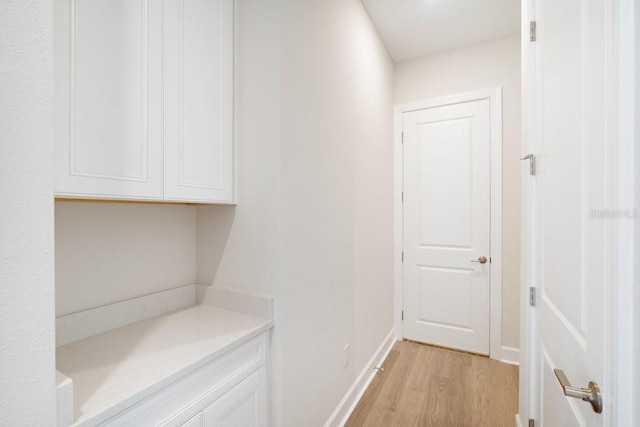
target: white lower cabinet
195 421
230 391
244 406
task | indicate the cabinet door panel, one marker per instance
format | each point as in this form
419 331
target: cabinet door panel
199 101
243 406
108 98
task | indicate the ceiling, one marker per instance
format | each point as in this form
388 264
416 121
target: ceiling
416 28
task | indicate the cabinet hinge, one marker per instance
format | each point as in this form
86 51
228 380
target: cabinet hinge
532 423
532 296
532 31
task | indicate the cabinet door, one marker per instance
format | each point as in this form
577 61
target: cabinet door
108 100
199 101
194 422
243 406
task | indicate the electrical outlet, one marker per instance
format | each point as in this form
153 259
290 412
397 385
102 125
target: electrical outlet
347 355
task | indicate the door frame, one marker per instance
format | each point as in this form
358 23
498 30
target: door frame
621 300
494 94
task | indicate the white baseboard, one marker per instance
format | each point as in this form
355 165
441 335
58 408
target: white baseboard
350 400
518 423
510 355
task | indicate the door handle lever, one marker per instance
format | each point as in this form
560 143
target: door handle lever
591 394
481 260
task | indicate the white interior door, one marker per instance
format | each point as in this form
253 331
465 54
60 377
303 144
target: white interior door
446 225
569 245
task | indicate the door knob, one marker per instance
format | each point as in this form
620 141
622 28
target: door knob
591 394
481 260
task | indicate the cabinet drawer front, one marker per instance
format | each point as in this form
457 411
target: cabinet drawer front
178 402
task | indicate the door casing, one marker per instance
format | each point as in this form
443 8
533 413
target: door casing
494 95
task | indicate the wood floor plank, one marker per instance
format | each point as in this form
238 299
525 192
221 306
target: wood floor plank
364 407
425 386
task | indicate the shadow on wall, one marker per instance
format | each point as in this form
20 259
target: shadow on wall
214 223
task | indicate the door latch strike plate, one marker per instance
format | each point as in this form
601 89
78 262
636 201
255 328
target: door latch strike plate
532 31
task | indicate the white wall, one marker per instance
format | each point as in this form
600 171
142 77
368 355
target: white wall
27 340
336 202
110 252
495 63
313 224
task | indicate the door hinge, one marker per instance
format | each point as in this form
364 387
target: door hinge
402 256
402 138
532 423
532 31
532 163
402 315
532 296
402 197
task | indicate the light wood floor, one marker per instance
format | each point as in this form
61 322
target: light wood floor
428 386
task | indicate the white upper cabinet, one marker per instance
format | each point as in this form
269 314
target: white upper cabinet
144 100
199 100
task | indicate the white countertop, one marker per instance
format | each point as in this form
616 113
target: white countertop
117 368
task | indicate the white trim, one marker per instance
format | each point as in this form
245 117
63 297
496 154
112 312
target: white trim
494 94
348 403
526 392
620 303
518 422
510 355
397 220
496 348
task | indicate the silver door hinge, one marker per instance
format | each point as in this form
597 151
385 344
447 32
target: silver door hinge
532 423
402 138
402 315
532 163
402 256
532 31
402 197
532 296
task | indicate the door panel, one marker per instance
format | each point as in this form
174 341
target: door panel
446 220
445 156
569 244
